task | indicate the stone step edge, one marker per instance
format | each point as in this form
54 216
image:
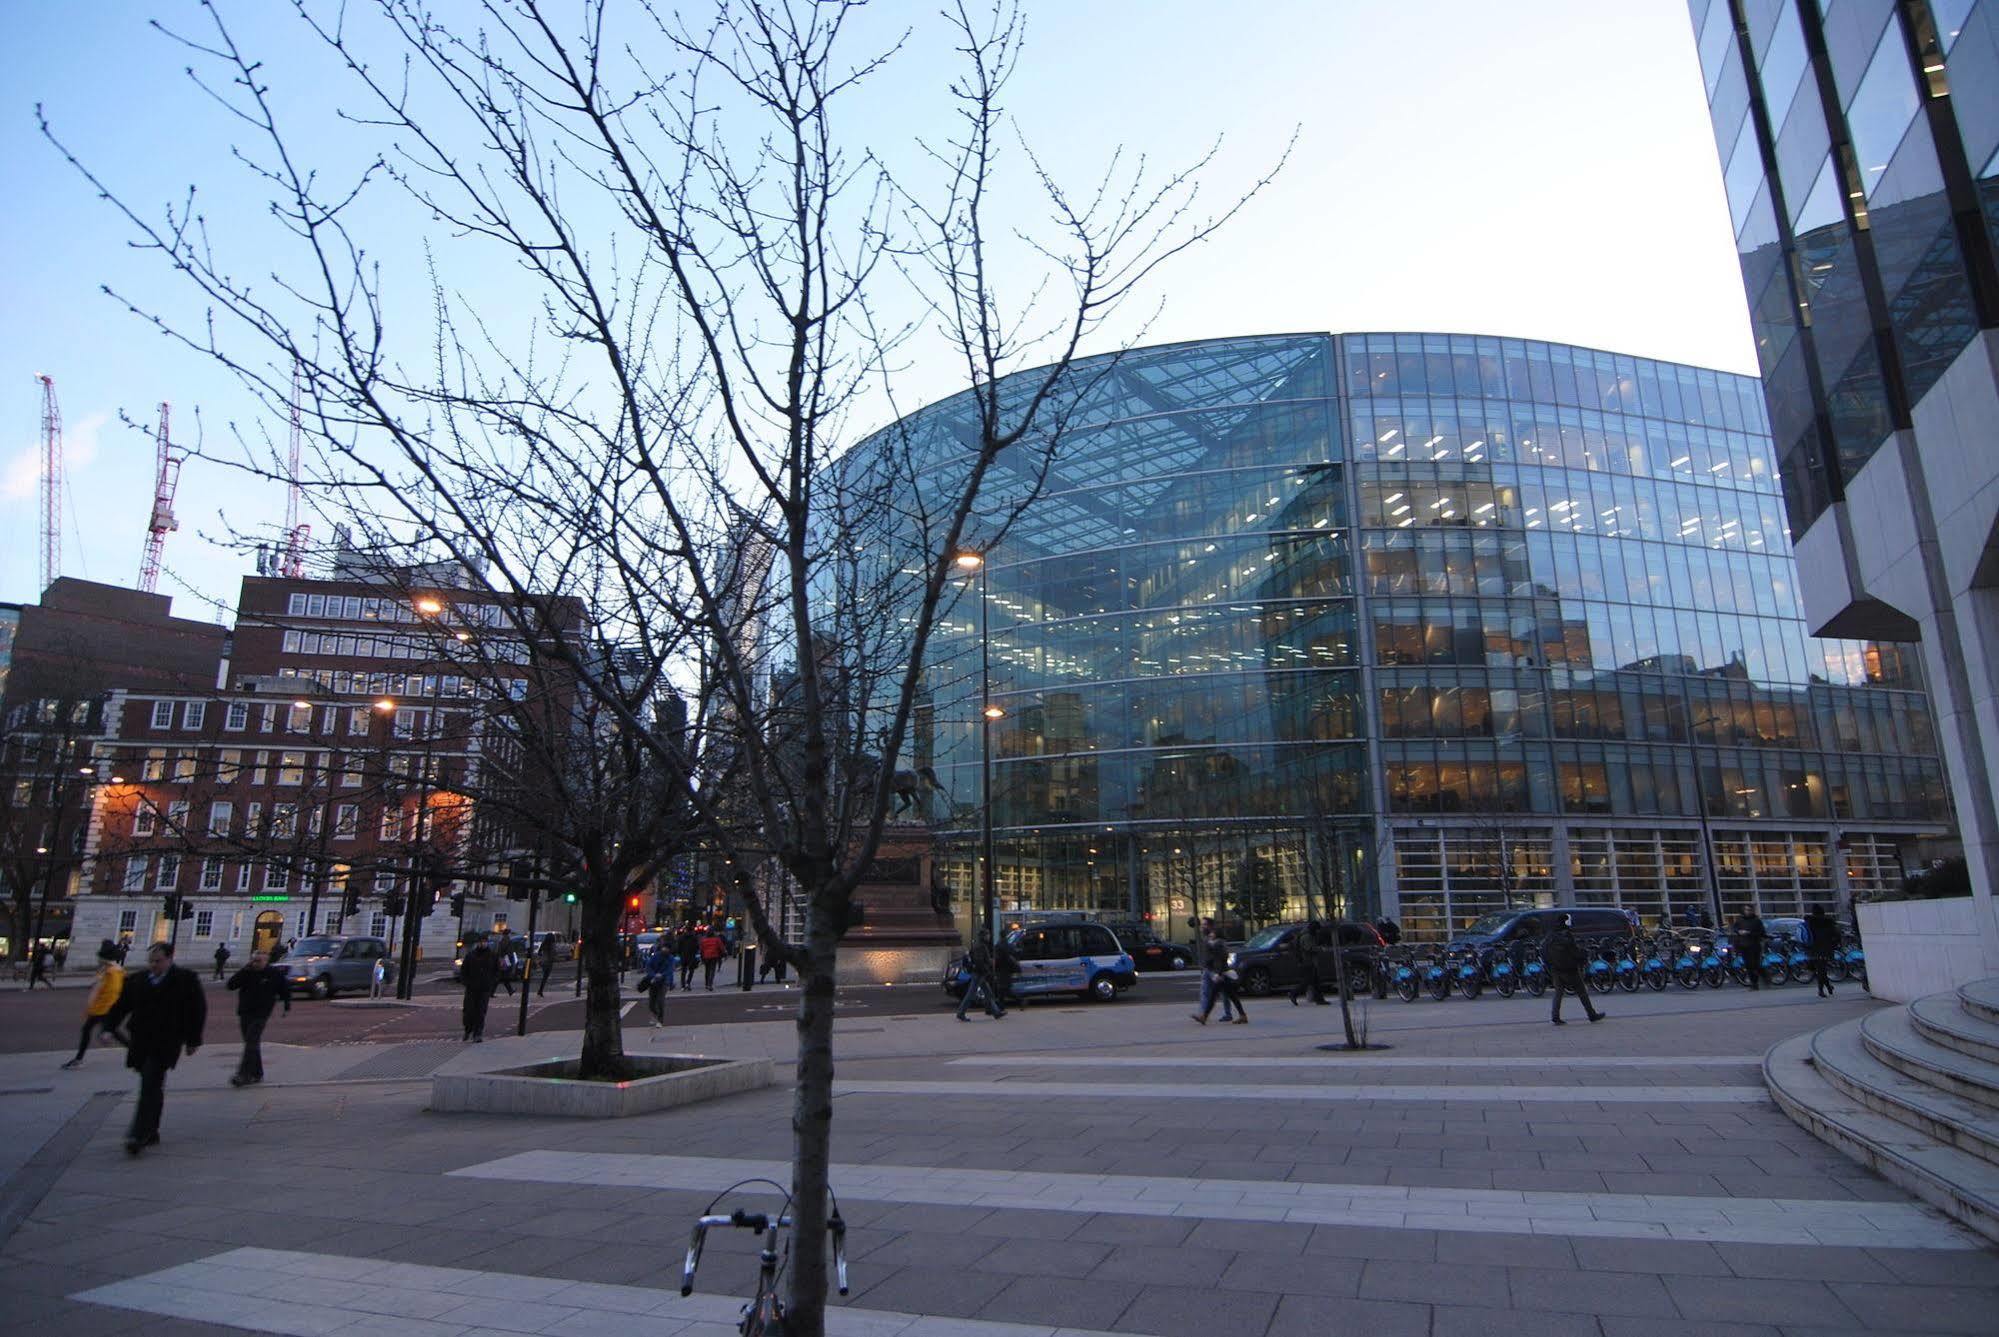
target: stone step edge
1890 1035
1980 998
1941 1019
1925 1168
1840 1056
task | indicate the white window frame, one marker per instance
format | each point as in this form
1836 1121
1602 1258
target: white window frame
211 874
287 773
145 819
163 714
277 877
237 717
136 873
194 715
128 922
220 815
295 606
166 876
346 821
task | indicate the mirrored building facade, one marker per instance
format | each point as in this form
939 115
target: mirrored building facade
1859 142
1411 625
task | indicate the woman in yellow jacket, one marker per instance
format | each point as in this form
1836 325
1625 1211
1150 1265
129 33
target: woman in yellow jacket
110 983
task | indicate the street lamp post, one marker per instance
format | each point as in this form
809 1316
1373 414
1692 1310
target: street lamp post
989 712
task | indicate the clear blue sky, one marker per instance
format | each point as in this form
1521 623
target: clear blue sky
1539 168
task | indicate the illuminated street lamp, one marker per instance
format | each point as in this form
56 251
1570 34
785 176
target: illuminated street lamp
987 918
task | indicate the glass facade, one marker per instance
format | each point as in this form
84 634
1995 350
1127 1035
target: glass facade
1860 143
1411 624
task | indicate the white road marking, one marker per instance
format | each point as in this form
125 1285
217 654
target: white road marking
1334 1064
312 1294
1225 1090
1505 1211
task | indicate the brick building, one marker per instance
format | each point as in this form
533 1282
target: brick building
64 658
334 780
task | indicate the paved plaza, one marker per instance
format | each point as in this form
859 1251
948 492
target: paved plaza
1074 1168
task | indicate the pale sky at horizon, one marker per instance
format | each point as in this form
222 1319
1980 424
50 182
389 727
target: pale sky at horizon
1539 168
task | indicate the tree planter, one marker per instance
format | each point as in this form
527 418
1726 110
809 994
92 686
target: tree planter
551 1089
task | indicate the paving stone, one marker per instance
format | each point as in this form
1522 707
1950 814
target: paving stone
1466 1246
1963 1309
1460 1321
1364 1242
1149 1264
1434 1283
951 1292
1060 1301
1375 1318
1107 1228
1931 1267
1278 1274
1043 1257
1822 1263
1669 1257
1569 1291
1186 1311
1757 1300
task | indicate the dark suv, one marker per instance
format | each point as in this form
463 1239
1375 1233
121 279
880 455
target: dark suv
1267 963
1148 950
1511 928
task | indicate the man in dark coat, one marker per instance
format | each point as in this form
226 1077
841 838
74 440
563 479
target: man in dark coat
480 975
164 1010
259 988
1306 945
1749 936
1565 970
1822 940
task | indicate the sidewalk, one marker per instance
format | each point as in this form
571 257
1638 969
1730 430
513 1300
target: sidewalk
1096 1168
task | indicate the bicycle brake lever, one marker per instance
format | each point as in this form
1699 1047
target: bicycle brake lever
838 1227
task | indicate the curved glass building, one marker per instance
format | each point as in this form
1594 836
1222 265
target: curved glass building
1411 625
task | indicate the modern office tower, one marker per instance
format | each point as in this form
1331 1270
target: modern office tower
1860 147
1415 625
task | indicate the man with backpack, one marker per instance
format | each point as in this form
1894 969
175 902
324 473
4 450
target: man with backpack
1564 957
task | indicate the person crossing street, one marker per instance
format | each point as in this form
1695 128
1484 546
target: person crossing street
1565 970
259 988
104 992
166 1011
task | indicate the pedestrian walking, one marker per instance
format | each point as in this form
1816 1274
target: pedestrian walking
687 947
1822 940
165 1011
510 962
38 966
259 987
378 978
711 957
1218 979
545 964
104 991
659 965
1305 944
1564 958
62 956
982 989
1749 936
480 974
221 958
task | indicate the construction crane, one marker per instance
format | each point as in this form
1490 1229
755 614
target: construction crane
51 482
166 477
292 566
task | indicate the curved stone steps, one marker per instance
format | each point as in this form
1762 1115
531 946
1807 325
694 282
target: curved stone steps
1943 1019
1841 1056
1981 999
1799 1074
1892 1038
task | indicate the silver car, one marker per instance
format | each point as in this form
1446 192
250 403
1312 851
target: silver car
324 966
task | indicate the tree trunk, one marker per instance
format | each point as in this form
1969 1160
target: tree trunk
603 1037
812 1127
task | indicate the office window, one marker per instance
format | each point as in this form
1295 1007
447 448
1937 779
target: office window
128 921
145 820
284 820
211 874
291 768
253 821
277 877
378 925
267 718
346 821
292 642
204 923
1882 108
392 823
154 767
195 715
168 874
357 720
228 766
237 717
163 714
135 875
298 719
295 606
183 769
219 817
242 879
177 818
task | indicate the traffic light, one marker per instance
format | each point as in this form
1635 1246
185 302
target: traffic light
350 902
633 904
170 906
458 904
569 897
186 909
392 904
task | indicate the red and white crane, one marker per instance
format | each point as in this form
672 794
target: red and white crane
51 482
292 566
166 477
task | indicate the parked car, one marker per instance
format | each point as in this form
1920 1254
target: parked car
1148 950
1059 958
1529 926
1266 962
323 966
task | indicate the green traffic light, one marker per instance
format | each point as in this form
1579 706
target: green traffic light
569 896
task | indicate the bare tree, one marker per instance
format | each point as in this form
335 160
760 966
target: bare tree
707 282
